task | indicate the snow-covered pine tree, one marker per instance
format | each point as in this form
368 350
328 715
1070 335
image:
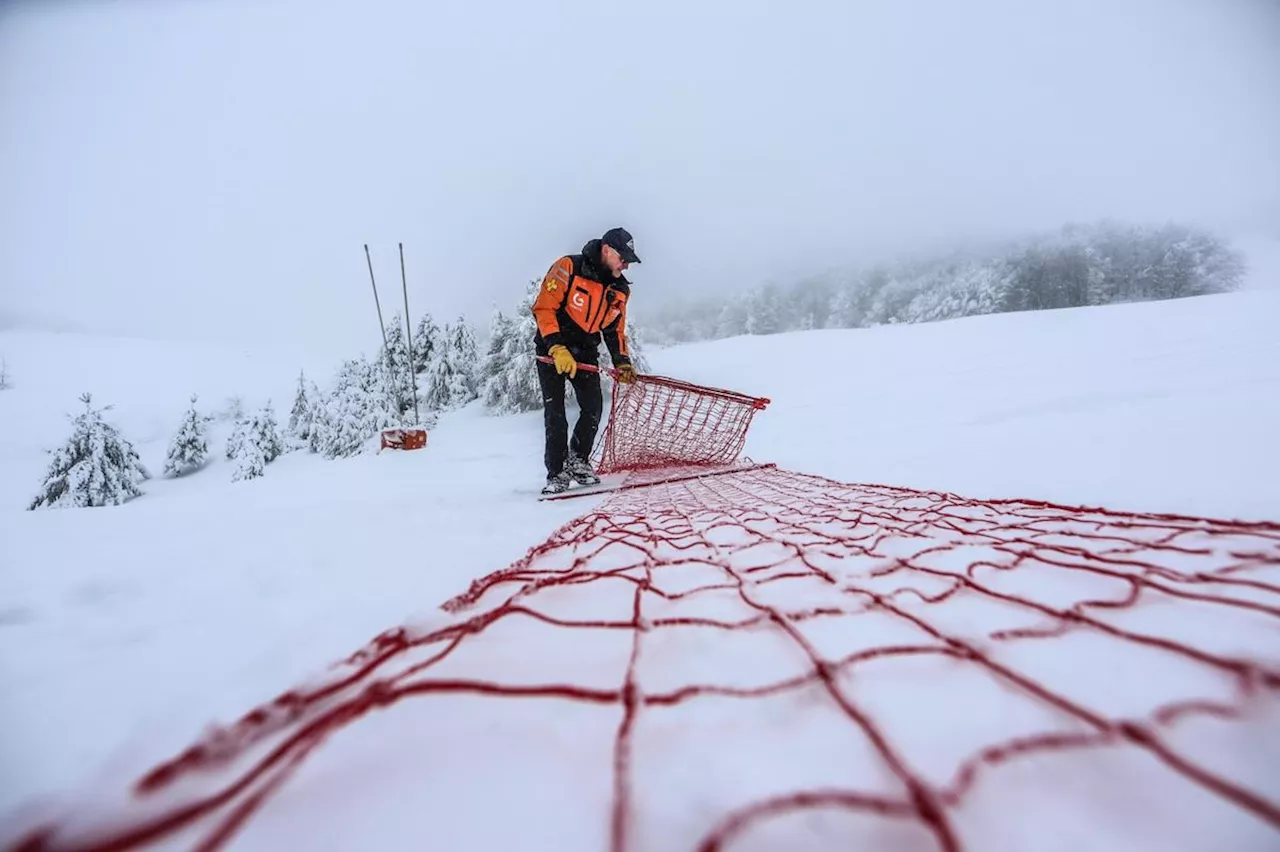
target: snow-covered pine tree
250 461
515 386
764 313
450 379
190 445
232 409
393 362
493 377
810 302
266 433
396 343
436 383
380 408
4 375
844 308
426 342
254 443
321 421
297 430
236 438
357 409
732 320
391 391
466 363
96 467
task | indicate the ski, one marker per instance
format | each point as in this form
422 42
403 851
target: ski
605 485
625 482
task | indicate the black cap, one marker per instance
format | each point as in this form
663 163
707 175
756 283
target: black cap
621 241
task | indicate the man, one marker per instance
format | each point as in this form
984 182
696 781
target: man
582 298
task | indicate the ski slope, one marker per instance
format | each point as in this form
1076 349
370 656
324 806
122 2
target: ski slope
125 631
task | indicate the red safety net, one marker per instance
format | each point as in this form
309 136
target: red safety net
765 659
659 422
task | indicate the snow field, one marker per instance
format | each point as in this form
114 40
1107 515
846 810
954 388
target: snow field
789 660
127 630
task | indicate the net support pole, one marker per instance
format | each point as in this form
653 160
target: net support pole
408 331
386 348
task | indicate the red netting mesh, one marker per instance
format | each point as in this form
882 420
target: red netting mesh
658 422
764 659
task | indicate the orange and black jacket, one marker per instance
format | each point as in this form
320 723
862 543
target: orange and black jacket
578 302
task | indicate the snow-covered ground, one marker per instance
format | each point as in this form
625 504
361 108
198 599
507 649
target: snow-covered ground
125 630
1165 406
136 625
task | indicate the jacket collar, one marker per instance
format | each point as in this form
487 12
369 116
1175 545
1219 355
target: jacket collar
593 267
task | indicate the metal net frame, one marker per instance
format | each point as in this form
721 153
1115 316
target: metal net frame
659 422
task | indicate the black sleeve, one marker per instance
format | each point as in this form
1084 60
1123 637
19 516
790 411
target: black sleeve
615 347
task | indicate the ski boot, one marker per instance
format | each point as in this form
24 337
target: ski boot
580 472
557 484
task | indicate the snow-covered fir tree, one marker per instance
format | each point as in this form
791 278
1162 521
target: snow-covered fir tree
810 303
321 422
437 383
266 433
511 374
764 311
426 343
239 430
250 461
466 363
493 368
254 443
297 431
451 377
396 395
236 440
357 408
190 444
393 361
841 308
4 375
732 320
232 408
96 467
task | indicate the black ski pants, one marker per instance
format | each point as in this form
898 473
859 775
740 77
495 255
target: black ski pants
586 389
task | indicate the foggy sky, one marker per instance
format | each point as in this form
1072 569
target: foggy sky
212 168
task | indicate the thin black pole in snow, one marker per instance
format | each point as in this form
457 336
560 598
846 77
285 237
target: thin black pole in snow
381 326
386 347
408 330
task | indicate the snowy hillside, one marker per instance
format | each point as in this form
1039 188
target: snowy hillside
1165 406
148 383
125 630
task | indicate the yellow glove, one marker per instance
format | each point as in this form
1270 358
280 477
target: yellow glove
626 374
565 362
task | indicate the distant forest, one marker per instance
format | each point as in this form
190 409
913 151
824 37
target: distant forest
1079 265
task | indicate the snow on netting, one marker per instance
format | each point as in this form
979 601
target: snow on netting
658 422
769 660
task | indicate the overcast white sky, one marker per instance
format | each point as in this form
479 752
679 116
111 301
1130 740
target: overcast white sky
212 168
